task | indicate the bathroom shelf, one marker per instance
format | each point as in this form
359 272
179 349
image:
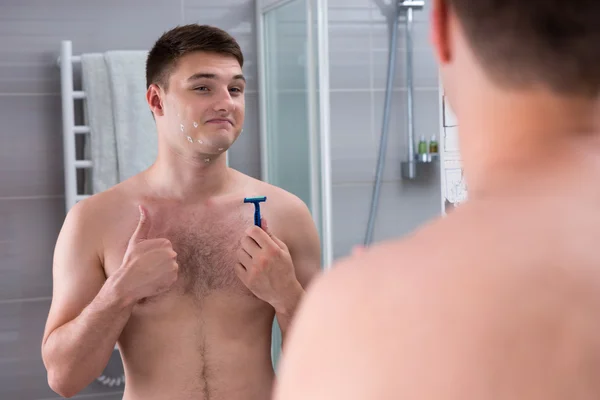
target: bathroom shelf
421 169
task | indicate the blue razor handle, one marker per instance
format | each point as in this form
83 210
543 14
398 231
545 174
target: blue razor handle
256 201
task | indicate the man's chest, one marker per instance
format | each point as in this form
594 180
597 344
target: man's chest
206 242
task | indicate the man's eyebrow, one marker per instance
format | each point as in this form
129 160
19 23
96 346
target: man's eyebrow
203 75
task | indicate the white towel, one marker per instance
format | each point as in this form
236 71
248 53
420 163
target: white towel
99 115
123 133
135 129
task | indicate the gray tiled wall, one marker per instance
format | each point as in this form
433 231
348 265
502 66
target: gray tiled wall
358 43
31 167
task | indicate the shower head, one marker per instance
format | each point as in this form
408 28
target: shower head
412 4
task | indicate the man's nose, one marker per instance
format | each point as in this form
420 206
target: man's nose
224 101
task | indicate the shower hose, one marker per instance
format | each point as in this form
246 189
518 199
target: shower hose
384 128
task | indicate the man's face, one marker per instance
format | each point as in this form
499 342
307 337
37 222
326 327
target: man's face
204 105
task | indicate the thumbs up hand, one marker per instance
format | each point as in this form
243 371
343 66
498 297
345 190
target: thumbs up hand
149 266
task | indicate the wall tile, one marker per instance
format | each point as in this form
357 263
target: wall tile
406 205
353 142
22 372
349 49
402 208
31 161
425 70
345 4
355 145
31 32
28 233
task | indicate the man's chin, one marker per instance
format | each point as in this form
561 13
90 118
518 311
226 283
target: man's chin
222 150
219 142
218 148
222 143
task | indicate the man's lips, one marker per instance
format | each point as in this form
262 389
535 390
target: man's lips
219 121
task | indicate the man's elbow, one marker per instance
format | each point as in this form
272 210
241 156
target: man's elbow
60 383
60 379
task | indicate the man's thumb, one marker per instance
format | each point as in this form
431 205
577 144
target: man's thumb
141 232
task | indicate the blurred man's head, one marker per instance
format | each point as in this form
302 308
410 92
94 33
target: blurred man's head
552 45
196 89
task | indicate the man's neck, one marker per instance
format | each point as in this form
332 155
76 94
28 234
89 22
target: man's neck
186 178
505 137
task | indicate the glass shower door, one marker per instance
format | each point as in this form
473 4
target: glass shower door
288 129
294 96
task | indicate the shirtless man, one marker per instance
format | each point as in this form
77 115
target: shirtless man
500 299
169 263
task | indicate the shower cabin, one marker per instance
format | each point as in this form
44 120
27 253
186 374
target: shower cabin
295 115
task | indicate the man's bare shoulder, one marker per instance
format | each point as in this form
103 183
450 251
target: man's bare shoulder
488 273
101 203
100 210
473 240
495 245
282 207
279 198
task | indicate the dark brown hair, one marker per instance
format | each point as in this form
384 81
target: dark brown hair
182 40
555 43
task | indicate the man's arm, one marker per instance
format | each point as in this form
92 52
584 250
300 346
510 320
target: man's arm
87 313
302 239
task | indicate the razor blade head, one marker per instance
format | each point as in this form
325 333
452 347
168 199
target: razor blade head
255 199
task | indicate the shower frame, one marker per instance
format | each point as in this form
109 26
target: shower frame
318 115
318 108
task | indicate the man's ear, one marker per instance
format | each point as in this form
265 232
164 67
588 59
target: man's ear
154 98
440 32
